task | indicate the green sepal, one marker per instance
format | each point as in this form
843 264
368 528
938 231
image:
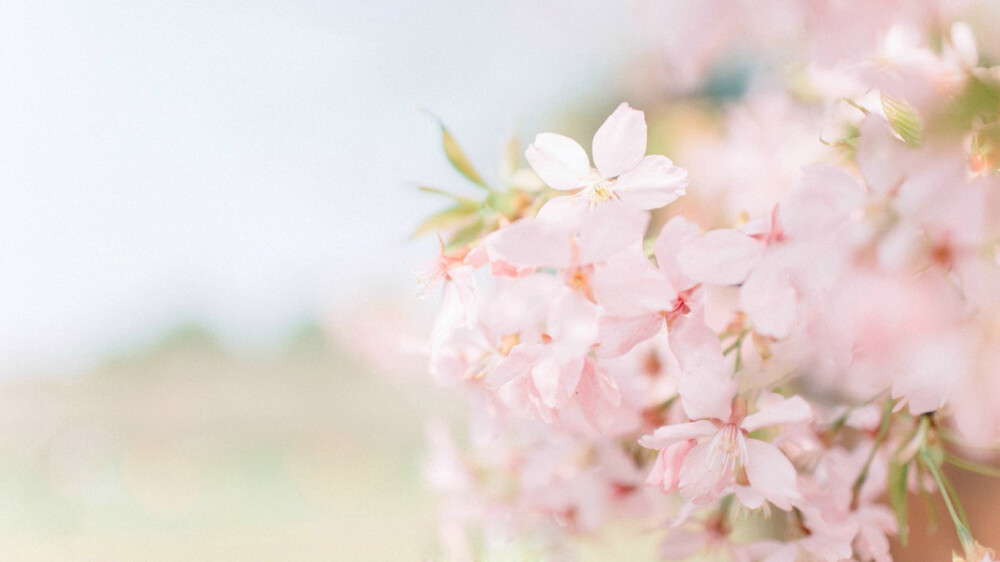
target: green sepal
904 120
467 234
897 495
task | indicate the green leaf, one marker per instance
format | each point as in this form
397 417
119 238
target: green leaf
457 156
972 466
448 194
503 202
897 495
467 234
904 120
447 218
932 512
979 102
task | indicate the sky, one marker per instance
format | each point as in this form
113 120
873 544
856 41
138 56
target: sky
249 165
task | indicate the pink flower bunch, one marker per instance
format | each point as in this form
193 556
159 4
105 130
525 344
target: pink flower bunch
797 372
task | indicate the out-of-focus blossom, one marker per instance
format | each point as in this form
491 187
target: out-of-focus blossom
799 337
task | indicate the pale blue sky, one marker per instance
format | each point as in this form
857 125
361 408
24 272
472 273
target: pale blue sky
244 162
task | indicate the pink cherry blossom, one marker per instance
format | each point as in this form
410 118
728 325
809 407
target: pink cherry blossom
724 455
622 170
818 314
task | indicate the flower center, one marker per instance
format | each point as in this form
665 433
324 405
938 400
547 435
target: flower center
603 191
728 449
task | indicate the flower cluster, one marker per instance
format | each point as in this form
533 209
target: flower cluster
797 370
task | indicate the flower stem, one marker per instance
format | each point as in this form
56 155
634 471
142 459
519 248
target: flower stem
883 431
965 464
961 525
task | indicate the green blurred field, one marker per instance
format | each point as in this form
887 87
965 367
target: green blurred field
188 452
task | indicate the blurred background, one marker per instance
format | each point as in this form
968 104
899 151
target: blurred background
205 220
206 264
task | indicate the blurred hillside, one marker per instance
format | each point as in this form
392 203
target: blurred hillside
189 452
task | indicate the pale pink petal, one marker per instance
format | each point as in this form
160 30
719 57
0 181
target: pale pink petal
684 513
627 284
530 243
933 374
477 256
516 364
786 411
825 199
771 474
653 183
608 229
620 143
749 497
463 282
877 522
617 335
566 210
676 234
522 304
556 381
669 434
881 156
667 467
572 323
770 299
704 384
704 475
560 161
706 394
720 257
521 394
447 364
598 396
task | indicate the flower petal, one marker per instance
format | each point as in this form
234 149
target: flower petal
770 299
704 384
629 285
518 363
667 468
620 143
530 243
676 234
619 335
704 475
771 474
651 184
598 396
933 374
825 199
572 323
720 257
608 229
556 381
669 434
787 410
560 161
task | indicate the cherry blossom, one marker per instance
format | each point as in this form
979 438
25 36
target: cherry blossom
725 457
795 339
621 169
